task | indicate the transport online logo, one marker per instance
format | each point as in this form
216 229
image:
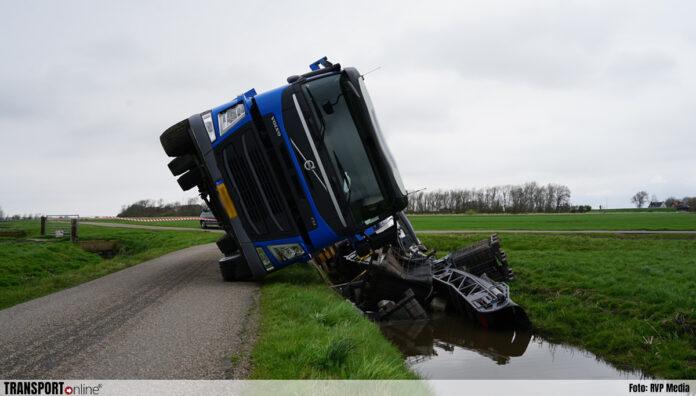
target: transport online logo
49 388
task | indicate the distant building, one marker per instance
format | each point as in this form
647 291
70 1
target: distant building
657 205
681 205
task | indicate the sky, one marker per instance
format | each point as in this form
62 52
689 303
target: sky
597 95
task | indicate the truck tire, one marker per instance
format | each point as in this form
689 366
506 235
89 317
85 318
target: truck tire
234 268
181 164
227 273
176 140
190 179
227 245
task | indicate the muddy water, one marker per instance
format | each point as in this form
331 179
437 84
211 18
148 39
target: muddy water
448 347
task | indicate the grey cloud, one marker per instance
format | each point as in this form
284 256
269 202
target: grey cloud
553 47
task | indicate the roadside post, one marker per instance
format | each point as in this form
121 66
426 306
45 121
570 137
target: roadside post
73 230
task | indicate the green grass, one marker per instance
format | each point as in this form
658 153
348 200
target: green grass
655 219
30 269
175 223
588 221
629 300
308 332
637 210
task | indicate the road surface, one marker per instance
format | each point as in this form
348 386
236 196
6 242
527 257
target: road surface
168 318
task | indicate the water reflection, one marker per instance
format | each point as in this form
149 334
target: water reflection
421 341
448 347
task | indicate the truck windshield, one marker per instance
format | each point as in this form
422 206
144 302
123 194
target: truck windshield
343 128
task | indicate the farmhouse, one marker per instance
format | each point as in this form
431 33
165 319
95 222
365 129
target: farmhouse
657 205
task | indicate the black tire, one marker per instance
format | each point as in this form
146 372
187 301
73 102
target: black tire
234 268
190 179
227 273
176 140
203 226
227 245
181 164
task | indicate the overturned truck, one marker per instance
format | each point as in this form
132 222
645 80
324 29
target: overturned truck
302 173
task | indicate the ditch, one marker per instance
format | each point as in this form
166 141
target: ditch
449 347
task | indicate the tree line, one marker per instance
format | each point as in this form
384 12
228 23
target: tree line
26 216
152 208
522 198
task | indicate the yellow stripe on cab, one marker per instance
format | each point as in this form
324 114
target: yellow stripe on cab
226 201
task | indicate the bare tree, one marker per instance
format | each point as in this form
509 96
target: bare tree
691 202
528 197
669 202
640 198
2 214
194 201
562 197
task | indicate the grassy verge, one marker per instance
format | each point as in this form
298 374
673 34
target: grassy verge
637 210
30 269
309 332
306 331
174 223
659 221
655 219
629 300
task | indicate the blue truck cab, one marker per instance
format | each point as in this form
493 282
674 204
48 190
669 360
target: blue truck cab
291 171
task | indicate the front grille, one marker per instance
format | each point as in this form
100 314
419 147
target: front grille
265 179
262 206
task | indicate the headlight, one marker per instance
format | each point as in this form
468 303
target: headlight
264 259
208 122
228 118
286 252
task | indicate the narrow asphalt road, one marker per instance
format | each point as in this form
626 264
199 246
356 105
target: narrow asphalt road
623 232
168 318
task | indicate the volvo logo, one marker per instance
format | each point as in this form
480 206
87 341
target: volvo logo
275 126
309 165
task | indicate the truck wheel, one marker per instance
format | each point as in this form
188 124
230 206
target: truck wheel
228 272
234 268
190 179
227 245
181 164
176 140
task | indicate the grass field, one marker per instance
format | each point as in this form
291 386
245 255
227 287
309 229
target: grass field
630 300
308 332
637 210
176 223
660 221
30 269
